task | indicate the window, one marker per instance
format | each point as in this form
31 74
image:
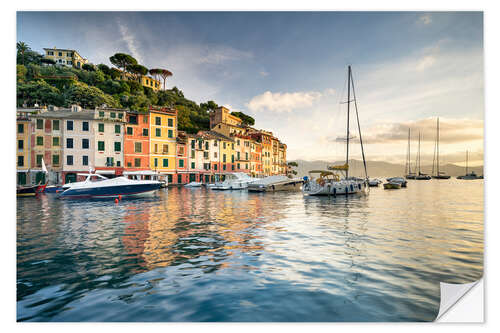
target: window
39 140
55 141
170 122
50 53
200 145
55 125
192 154
137 162
20 144
192 144
165 149
130 131
224 158
238 142
238 155
120 115
145 119
181 150
158 121
158 132
101 114
118 146
69 160
145 132
205 154
112 114
85 143
55 160
215 143
132 119
170 133
232 146
20 128
181 163
68 54
192 165
215 167
138 147
238 166
223 167
69 143
246 156
100 145
69 125
110 161
101 127
156 148
39 124
69 62
129 164
215 154
165 163
156 162
232 158
206 145
117 129
232 167
85 126
224 145
20 161
39 160
60 54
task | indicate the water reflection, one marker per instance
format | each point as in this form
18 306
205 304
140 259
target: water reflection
197 254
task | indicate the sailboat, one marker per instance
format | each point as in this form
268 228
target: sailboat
335 180
409 174
438 174
468 176
420 175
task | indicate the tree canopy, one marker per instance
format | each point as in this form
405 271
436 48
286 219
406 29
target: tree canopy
246 119
123 61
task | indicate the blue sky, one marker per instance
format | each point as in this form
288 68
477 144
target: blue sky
288 69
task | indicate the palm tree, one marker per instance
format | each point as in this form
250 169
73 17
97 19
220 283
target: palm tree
164 73
22 47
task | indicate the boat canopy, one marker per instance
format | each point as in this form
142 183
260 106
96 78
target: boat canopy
140 173
323 173
339 167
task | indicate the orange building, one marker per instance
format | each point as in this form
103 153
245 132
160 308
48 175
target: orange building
136 141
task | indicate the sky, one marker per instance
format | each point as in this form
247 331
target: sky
288 70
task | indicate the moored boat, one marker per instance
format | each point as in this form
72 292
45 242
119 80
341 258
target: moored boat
193 184
399 180
438 174
234 181
392 186
374 182
97 186
420 175
276 183
468 175
336 181
27 191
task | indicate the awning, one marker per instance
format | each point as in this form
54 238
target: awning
105 172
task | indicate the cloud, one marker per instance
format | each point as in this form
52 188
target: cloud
450 131
129 40
425 19
283 102
425 63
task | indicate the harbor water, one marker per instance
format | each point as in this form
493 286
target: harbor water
193 254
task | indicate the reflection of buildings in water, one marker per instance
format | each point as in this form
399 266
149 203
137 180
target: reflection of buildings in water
136 232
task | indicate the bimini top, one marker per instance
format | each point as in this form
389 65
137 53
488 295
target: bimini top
323 173
339 167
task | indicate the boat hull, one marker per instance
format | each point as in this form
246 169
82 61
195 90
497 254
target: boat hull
288 186
392 186
335 188
441 177
132 190
27 191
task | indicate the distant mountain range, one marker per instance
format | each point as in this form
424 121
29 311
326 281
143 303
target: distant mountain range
380 169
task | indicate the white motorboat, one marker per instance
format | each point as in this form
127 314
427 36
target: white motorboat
97 186
147 175
276 183
193 184
234 181
336 181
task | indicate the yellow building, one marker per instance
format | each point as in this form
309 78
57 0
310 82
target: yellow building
222 115
149 82
65 57
163 134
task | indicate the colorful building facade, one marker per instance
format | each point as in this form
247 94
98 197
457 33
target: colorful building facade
163 133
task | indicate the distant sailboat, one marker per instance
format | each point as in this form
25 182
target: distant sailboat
438 174
409 174
468 176
420 175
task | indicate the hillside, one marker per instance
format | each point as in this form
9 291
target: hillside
379 169
40 81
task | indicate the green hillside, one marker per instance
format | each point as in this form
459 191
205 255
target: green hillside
40 81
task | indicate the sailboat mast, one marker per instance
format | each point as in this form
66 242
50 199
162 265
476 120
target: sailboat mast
419 153
348 104
409 153
359 126
467 162
438 146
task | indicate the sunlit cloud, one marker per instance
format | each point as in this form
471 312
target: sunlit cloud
128 37
283 102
